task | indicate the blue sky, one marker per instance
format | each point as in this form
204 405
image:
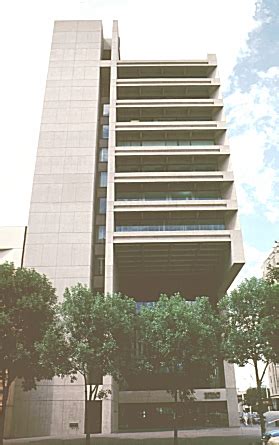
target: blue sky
243 34
252 105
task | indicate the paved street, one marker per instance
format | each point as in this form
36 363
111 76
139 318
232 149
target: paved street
251 432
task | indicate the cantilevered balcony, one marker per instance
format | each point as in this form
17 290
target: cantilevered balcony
188 125
193 263
175 176
148 223
174 134
168 112
167 88
159 148
171 163
158 69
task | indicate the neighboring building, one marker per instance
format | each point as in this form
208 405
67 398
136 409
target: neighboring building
273 377
272 259
273 369
133 192
12 241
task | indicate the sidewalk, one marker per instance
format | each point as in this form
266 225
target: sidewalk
252 432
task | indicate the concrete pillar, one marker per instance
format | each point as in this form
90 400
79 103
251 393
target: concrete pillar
110 406
232 404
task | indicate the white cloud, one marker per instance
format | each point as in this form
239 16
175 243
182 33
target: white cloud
253 116
271 73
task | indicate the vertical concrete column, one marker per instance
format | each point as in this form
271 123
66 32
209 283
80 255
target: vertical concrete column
231 395
110 406
60 229
109 255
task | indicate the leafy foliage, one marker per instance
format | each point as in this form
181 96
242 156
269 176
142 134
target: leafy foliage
180 337
272 276
27 311
28 302
250 320
251 397
93 337
251 328
97 331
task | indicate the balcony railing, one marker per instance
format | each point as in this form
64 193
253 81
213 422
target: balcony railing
160 196
130 168
165 142
169 227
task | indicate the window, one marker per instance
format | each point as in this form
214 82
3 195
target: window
171 143
101 233
183 142
105 109
202 142
102 205
100 265
103 179
105 131
103 155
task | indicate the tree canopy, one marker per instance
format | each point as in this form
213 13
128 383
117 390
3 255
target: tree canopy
93 337
98 331
251 326
250 319
28 306
180 338
251 398
28 303
272 276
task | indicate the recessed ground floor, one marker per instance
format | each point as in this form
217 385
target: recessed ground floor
152 416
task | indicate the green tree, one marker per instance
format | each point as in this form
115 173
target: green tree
92 338
272 276
181 339
27 303
250 324
251 398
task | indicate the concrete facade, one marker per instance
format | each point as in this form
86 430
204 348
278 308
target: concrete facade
133 192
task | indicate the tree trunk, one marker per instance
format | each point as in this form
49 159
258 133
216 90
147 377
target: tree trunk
260 400
175 432
6 385
87 434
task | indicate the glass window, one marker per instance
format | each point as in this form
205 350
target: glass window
123 144
103 155
103 179
101 233
153 168
202 142
105 109
171 143
102 205
100 265
105 131
156 143
146 143
134 143
183 142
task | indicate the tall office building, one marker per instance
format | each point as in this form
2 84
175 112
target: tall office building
133 192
